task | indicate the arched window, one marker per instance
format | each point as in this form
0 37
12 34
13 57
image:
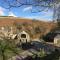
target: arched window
23 35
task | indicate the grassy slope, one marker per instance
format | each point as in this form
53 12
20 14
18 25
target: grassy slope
28 25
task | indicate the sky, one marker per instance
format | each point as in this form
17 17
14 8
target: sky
25 12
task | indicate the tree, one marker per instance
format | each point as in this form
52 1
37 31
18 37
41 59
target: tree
5 47
37 29
43 4
17 25
56 14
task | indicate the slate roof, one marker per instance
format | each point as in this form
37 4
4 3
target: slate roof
57 36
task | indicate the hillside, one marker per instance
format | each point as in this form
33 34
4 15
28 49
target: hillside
35 28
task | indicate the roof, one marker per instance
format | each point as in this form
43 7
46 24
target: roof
23 32
58 36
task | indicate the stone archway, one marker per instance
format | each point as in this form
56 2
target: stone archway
23 35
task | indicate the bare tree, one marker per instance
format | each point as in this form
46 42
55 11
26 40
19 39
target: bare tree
38 6
56 14
35 3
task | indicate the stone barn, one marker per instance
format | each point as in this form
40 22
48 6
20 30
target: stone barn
24 37
57 39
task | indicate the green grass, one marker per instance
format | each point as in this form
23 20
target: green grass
10 53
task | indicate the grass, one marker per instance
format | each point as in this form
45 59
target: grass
10 53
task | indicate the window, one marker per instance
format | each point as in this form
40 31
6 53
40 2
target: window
23 35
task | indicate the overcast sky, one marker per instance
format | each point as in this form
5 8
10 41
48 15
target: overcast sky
25 12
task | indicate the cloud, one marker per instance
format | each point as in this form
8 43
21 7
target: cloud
27 8
48 13
41 18
44 16
12 14
2 11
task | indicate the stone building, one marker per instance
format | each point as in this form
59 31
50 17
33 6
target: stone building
57 39
24 37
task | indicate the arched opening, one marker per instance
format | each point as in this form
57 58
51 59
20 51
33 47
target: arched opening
23 35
